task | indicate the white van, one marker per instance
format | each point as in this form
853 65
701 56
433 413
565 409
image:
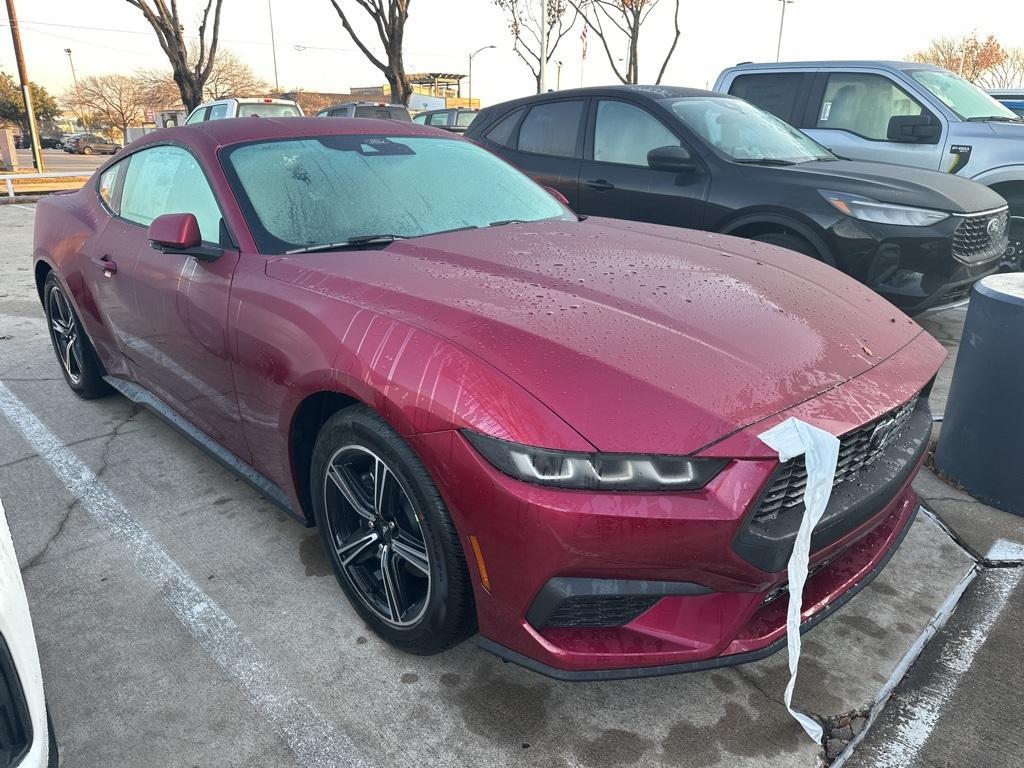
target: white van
225 108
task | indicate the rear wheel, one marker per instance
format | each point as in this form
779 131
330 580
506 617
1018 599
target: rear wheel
388 535
77 359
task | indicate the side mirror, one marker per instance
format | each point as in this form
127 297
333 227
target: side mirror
175 232
913 129
558 196
676 159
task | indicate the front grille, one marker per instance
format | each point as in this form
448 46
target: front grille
594 611
15 725
857 449
974 241
957 293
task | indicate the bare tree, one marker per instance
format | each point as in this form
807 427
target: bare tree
524 24
1009 73
190 72
624 19
968 56
230 76
389 17
110 100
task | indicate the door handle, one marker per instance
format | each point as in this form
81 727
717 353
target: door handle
104 262
600 185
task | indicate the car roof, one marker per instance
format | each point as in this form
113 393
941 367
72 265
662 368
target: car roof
212 134
363 104
876 64
653 92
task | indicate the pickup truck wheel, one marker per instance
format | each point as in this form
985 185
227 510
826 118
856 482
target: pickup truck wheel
78 361
1014 259
388 536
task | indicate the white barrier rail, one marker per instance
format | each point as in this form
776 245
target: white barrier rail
8 178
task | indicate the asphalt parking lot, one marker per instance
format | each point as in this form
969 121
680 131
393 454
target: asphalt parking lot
59 161
182 620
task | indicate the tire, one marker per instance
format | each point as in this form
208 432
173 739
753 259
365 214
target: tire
87 151
792 242
403 526
75 354
1014 260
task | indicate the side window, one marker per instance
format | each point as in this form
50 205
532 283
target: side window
552 129
168 179
863 104
198 116
421 119
438 118
775 93
624 133
501 133
218 112
107 186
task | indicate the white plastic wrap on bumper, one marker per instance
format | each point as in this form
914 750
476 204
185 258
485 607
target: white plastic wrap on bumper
820 450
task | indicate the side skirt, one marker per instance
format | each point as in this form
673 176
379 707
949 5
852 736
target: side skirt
246 472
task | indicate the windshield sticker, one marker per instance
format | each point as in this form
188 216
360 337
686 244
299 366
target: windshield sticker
826 110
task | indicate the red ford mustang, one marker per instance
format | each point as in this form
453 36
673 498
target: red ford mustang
496 413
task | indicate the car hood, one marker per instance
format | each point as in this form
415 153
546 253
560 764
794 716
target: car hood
901 184
642 338
1007 130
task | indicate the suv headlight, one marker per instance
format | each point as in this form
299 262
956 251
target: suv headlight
866 209
595 471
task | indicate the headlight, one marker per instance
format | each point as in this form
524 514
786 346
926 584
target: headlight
595 471
865 209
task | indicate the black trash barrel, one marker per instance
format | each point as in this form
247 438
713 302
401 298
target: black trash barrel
981 445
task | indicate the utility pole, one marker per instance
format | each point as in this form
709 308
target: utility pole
474 53
782 23
273 46
26 91
543 45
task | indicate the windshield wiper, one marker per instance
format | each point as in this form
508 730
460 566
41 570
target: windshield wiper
765 161
352 242
994 119
503 222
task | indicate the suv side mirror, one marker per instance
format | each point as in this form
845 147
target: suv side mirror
179 233
913 129
675 159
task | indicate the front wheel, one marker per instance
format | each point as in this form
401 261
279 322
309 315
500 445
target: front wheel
388 535
1013 261
78 361
87 151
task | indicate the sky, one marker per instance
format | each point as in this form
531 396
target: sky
108 36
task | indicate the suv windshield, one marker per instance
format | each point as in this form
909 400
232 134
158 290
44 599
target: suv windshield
268 110
968 101
744 132
304 192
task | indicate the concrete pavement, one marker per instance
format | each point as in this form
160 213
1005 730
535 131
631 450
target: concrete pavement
129 682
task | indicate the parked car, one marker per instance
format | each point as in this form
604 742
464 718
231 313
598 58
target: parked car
1010 98
706 161
443 377
897 112
454 120
26 737
221 109
67 142
92 144
379 110
46 141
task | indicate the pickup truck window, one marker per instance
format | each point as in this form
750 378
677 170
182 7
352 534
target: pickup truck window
775 92
863 104
968 101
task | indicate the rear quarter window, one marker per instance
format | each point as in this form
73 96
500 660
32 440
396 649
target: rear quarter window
502 131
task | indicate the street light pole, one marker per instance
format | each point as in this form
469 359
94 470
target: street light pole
71 61
26 91
474 53
782 23
273 45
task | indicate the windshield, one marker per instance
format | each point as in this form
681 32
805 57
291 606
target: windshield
968 101
331 189
268 110
384 113
744 132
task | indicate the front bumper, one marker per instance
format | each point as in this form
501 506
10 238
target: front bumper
912 267
683 596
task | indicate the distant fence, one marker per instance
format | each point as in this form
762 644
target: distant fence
8 178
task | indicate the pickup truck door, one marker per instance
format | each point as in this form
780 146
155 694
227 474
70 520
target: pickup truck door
849 113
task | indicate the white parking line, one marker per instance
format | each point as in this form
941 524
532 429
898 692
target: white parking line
313 740
925 708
